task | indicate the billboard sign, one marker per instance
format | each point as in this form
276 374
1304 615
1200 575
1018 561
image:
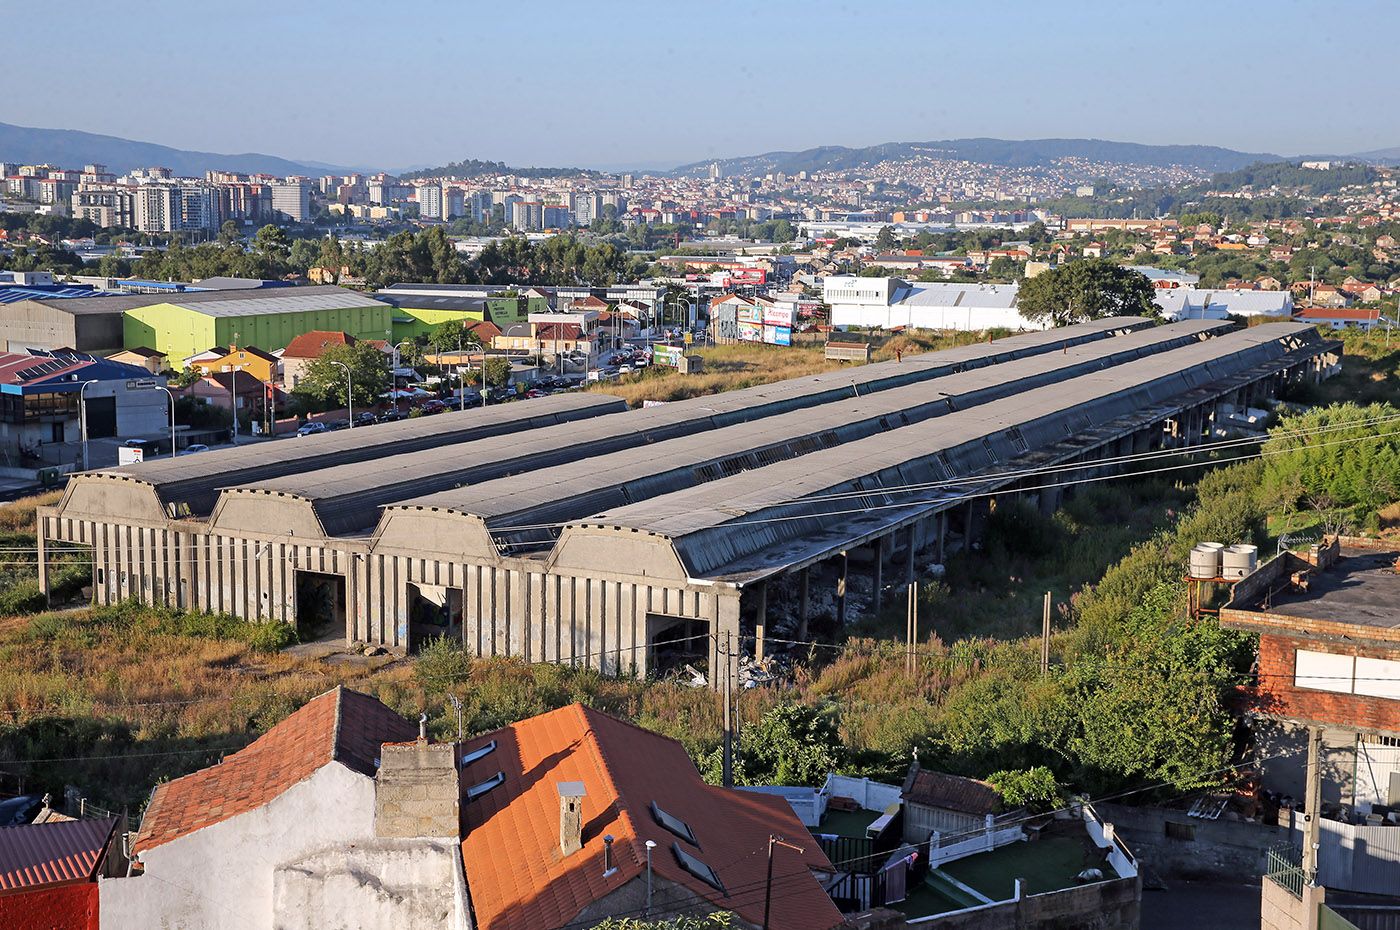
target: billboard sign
750 314
750 332
667 355
127 455
777 335
777 316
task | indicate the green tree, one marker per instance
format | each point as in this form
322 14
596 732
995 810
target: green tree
452 336
1086 290
272 243
792 744
1034 788
497 371
323 381
886 240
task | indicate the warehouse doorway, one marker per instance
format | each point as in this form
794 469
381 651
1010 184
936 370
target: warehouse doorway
320 606
677 646
433 611
101 415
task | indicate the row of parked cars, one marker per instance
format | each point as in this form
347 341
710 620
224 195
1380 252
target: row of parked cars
543 387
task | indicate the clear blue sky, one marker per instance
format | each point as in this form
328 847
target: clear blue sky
602 83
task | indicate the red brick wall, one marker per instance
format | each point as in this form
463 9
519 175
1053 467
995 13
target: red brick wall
1277 696
63 907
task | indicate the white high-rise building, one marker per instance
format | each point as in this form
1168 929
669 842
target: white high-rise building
292 199
430 201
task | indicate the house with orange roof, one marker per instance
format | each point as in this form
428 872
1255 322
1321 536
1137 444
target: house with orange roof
346 814
281 826
573 816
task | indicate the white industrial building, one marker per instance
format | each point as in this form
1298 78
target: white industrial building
1190 303
888 303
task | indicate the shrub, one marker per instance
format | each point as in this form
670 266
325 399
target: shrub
22 598
1034 788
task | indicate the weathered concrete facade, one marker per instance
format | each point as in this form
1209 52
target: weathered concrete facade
694 563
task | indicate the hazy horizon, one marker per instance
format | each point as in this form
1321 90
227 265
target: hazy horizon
621 85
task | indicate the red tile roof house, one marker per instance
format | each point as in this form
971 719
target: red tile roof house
339 817
49 872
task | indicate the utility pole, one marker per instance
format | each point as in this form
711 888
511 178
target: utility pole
768 888
1045 638
909 630
1313 806
728 716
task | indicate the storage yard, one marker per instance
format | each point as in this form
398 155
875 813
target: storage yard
569 529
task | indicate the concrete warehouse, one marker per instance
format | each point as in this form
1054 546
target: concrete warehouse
563 529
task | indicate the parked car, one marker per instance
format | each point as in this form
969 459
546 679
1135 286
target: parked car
339 424
392 415
20 810
366 418
193 448
536 392
312 426
433 406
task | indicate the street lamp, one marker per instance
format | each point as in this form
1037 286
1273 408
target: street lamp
396 349
349 392
82 419
172 417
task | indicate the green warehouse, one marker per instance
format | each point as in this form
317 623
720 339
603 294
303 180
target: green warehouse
418 308
191 323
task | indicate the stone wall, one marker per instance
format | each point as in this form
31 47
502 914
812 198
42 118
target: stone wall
1279 910
416 791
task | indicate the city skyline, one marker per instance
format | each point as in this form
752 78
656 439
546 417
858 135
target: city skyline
650 94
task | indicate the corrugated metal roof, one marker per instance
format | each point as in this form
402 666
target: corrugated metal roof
195 479
580 486
37 854
118 303
714 525
346 498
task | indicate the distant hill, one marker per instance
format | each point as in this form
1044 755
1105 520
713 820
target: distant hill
70 148
475 168
1390 156
1015 154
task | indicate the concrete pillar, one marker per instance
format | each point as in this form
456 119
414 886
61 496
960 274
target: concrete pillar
879 572
43 555
804 602
760 619
841 588
726 631
942 536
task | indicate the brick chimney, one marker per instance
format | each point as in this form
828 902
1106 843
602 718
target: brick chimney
571 795
416 792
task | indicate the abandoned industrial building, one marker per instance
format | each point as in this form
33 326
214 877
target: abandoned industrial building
568 529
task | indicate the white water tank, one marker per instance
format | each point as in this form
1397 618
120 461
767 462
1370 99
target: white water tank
1239 561
1205 560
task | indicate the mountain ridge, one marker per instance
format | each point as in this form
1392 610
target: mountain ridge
1014 153
73 148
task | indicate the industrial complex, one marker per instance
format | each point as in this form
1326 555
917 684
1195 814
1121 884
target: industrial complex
569 529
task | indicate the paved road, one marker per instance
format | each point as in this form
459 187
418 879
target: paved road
1201 906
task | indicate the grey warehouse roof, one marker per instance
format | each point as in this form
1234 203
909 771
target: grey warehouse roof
720 529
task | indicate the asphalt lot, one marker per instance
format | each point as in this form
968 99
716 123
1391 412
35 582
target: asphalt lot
1201 906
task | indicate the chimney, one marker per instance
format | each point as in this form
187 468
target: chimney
416 792
571 795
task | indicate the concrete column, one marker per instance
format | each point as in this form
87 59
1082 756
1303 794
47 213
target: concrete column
804 602
879 571
43 555
726 630
760 620
841 588
942 536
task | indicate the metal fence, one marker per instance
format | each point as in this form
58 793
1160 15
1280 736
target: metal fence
1284 867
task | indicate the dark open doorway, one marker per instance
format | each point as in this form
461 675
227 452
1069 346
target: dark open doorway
320 606
676 642
433 611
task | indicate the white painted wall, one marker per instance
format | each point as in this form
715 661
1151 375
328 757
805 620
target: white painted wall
221 877
378 885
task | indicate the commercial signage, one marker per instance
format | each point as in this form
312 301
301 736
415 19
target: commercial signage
777 316
750 332
128 455
750 314
777 335
667 355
